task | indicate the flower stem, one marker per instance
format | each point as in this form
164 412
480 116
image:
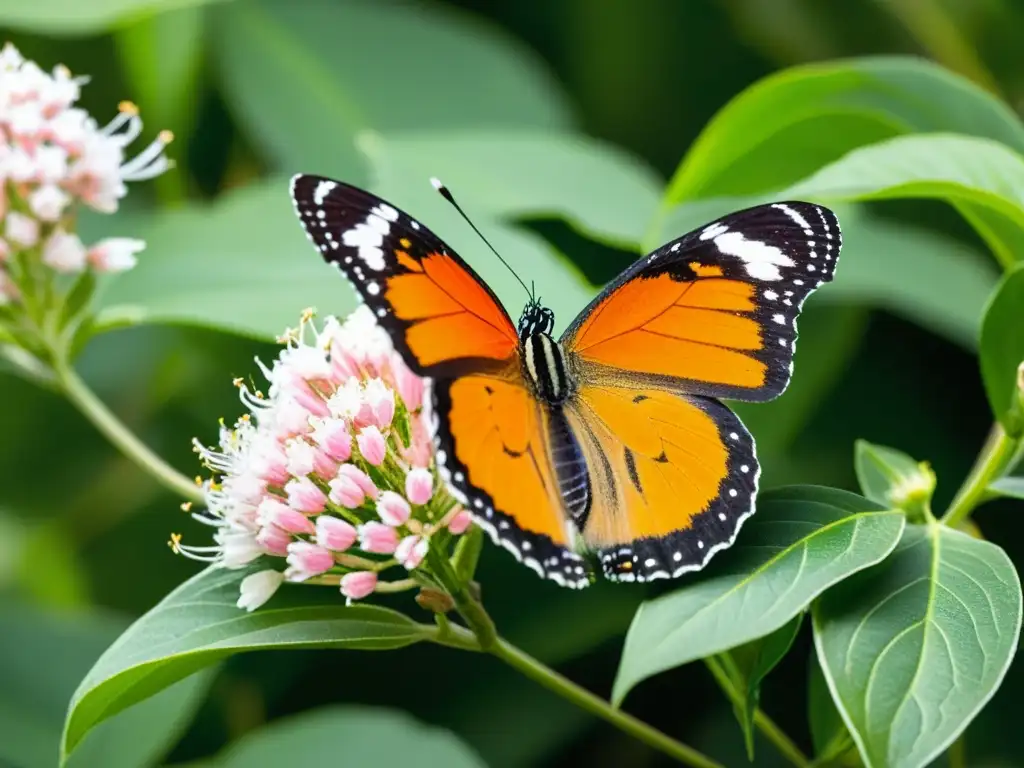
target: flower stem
995 456
465 603
123 438
597 706
765 724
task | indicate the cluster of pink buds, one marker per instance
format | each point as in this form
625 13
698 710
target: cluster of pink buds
329 476
53 157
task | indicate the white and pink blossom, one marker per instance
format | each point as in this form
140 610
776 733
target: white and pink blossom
317 480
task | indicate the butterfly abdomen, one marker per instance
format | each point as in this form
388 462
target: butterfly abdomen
570 467
545 367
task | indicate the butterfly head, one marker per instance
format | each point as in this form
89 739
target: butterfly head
536 319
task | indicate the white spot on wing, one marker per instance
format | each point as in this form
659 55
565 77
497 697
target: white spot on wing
323 189
762 261
793 214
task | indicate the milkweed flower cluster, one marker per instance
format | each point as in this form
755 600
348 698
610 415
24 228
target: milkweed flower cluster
328 477
54 157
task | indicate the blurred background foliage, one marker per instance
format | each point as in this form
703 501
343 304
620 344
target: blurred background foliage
558 124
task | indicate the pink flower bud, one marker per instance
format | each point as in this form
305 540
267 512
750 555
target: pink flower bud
371 445
460 522
64 252
305 496
392 509
272 511
419 486
269 461
47 202
323 465
21 231
273 540
306 560
381 401
115 254
411 550
377 538
358 584
409 385
345 491
361 479
334 533
306 397
333 437
257 588
421 447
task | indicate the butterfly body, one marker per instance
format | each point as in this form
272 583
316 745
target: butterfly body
611 438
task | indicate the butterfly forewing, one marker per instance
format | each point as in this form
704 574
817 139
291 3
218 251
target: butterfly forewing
714 312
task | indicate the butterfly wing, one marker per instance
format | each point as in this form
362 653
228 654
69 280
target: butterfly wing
493 438
712 314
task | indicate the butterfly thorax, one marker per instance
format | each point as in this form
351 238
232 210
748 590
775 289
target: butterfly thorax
542 355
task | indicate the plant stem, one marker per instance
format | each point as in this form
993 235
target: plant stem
997 453
597 706
765 724
123 438
468 606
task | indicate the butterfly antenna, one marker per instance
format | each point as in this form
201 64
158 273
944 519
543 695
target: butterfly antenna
447 195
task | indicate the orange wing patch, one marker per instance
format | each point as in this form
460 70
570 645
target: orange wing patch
452 316
495 449
673 477
700 330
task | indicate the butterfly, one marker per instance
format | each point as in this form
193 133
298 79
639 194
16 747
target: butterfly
612 438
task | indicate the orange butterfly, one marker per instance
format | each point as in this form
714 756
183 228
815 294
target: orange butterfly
611 437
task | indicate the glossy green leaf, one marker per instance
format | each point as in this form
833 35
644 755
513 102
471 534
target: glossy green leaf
828 731
791 123
890 477
749 664
242 265
199 624
306 77
982 178
913 648
350 736
1002 350
1009 486
70 17
43 656
598 189
880 266
802 540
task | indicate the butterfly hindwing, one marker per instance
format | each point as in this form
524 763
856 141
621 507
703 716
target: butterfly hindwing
442 318
714 312
494 445
674 476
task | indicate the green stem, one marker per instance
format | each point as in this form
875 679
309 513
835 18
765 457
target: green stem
597 706
123 438
468 606
958 753
765 724
993 460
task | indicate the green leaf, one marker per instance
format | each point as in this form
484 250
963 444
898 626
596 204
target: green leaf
351 735
1002 351
198 624
881 265
306 77
70 17
828 731
598 189
982 178
913 648
789 124
749 664
892 478
1009 486
34 695
802 540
